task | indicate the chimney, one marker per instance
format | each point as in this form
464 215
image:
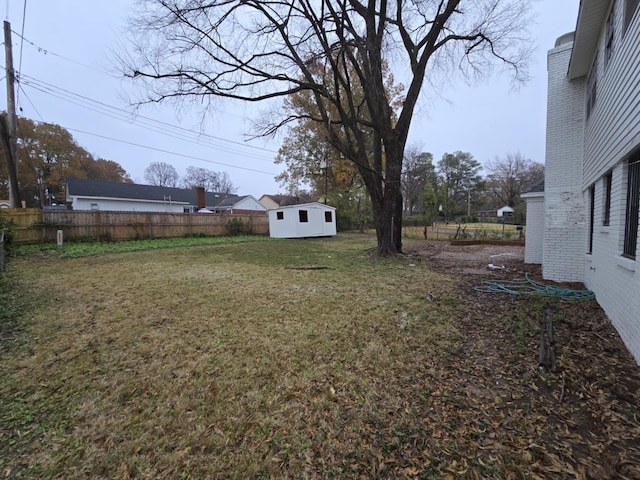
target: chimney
200 198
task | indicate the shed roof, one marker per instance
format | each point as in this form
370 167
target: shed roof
307 205
285 200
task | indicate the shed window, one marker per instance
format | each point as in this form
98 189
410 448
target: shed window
304 216
94 206
279 215
606 217
328 217
633 204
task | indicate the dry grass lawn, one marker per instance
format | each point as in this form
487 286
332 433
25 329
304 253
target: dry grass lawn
237 361
270 359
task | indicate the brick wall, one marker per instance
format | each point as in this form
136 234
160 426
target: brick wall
564 243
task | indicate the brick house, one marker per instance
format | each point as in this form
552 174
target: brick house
586 219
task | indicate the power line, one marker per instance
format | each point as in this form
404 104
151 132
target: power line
24 20
32 105
169 152
151 124
54 54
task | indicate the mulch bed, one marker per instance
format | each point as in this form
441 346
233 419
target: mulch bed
580 420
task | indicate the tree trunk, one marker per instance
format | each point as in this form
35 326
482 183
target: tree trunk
387 218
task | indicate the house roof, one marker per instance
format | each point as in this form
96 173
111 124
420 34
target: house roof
80 187
230 201
591 16
537 187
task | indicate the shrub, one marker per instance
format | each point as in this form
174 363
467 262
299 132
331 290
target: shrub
7 228
235 227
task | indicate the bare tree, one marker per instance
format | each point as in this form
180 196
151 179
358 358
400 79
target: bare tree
161 174
417 171
256 50
508 176
209 180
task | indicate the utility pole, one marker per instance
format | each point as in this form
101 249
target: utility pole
8 122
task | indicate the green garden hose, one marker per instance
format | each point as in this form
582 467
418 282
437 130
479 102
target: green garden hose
529 287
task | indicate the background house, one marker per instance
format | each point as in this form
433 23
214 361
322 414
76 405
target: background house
592 174
235 205
84 194
301 221
275 201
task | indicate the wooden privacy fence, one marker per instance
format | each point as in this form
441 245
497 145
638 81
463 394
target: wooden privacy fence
34 225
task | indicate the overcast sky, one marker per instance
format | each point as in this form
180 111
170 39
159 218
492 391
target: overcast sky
66 67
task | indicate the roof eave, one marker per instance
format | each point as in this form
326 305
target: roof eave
591 16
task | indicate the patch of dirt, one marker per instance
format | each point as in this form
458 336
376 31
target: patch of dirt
581 420
474 259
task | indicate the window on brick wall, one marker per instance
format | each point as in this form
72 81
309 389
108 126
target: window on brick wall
609 35
630 8
633 207
606 183
592 211
592 81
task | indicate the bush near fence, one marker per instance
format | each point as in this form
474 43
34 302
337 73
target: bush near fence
33 225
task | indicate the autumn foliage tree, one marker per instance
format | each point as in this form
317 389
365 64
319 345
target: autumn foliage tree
335 51
47 155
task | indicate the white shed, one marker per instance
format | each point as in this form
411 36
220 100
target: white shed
304 220
505 211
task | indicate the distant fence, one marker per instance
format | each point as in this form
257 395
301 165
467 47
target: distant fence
34 225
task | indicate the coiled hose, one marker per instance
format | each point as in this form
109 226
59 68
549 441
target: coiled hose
530 287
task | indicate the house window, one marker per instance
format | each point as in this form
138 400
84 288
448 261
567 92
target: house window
94 206
592 209
608 35
279 215
592 87
304 216
633 202
630 8
328 217
606 216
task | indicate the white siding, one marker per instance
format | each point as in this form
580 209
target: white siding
534 233
565 225
125 205
612 133
613 130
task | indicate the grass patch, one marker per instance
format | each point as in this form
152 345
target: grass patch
221 360
85 249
